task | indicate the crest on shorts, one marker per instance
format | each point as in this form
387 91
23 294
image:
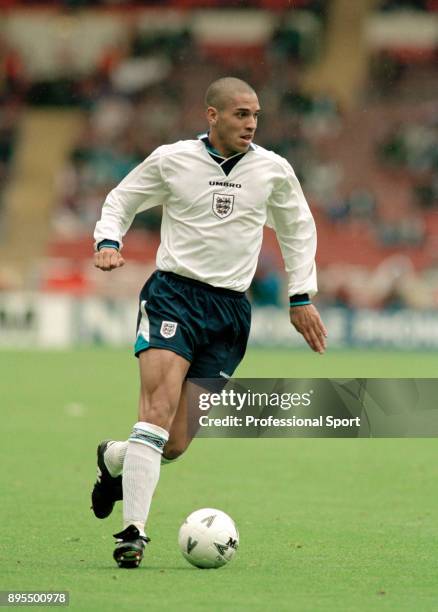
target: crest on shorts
168 329
223 204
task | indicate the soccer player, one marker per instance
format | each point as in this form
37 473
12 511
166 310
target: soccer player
217 193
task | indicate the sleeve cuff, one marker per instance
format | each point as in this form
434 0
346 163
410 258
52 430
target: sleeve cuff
300 299
108 244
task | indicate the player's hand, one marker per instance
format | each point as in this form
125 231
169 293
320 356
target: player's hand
107 259
307 322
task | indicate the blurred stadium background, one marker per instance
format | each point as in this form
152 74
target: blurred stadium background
349 96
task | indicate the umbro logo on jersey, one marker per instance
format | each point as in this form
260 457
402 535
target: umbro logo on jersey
168 329
225 184
223 205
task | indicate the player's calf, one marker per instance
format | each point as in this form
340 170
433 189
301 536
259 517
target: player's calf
172 451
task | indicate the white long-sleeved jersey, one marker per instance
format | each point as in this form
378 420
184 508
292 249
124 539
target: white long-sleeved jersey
214 211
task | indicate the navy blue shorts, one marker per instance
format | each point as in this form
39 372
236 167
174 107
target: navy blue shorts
206 325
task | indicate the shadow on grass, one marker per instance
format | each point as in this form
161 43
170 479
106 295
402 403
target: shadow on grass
145 568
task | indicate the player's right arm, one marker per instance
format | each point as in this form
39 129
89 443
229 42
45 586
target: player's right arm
143 188
107 259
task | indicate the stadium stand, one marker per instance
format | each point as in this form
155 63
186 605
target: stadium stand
345 121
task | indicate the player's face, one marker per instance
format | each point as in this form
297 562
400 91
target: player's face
232 128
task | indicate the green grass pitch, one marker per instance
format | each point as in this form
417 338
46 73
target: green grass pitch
325 524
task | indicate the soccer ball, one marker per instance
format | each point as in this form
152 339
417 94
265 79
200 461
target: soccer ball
208 538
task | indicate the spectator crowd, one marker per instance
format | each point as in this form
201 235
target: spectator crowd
148 89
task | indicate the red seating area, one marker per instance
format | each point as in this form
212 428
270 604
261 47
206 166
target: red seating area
355 244
139 246
134 4
347 142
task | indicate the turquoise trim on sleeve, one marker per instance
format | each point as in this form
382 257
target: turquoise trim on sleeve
108 244
299 299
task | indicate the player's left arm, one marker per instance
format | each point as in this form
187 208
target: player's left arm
290 216
307 321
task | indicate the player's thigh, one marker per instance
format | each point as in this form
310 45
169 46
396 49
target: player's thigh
162 375
230 321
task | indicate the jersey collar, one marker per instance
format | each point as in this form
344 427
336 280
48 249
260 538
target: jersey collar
226 163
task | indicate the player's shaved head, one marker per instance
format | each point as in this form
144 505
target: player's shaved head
223 90
232 112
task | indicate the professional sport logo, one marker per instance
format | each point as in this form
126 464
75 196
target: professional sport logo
223 205
168 329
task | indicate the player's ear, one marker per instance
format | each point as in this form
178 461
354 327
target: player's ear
212 116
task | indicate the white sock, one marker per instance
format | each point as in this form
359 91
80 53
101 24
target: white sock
141 471
114 457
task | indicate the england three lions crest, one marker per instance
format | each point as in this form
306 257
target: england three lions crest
168 329
223 205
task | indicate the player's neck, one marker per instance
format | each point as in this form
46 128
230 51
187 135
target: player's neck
218 148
